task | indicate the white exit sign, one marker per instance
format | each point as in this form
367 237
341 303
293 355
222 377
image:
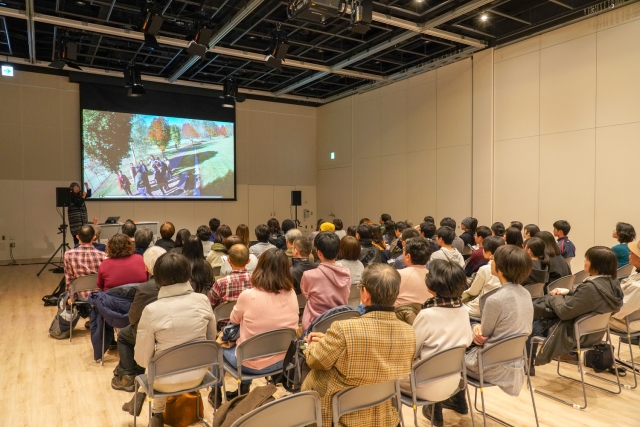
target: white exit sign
7 71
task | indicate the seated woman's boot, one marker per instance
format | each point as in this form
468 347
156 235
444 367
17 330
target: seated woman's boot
438 420
157 420
457 402
213 401
233 394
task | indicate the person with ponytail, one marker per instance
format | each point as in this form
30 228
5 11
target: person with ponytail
469 226
535 247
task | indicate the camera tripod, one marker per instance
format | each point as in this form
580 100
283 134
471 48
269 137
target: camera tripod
59 267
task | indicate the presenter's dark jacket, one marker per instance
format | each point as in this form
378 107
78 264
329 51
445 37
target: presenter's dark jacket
77 213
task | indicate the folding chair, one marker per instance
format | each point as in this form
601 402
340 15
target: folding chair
216 271
302 301
81 284
262 345
182 358
583 326
565 282
365 396
568 260
440 365
580 276
325 324
296 410
625 271
223 311
505 351
630 318
354 296
536 290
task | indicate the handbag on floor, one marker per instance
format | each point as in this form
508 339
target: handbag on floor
600 358
181 410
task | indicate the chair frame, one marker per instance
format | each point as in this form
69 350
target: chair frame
336 317
631 317
354 295
581 350
336 413
223 311
536 290
72 295
293 397
553 285
209 380
413 401
481 384
579 276
622 272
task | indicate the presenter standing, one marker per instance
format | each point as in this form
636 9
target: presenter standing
77 211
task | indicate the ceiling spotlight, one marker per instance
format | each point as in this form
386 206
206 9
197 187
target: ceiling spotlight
277 50
484 17
199 44
317 11
361 15
80 3
133 80
66 54
150 24
230 93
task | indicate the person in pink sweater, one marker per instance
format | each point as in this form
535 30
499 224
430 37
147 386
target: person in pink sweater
122 266
413 291
327 286
270 304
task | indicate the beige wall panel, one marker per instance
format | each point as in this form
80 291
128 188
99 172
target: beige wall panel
42 106
567 86
393 88
422 176
453 70
516 97
181 214
421 118
42 153
149 211
12 216
260 205
392 192
284 149
233 213
43 80
454 182
517 49
421 79
10 151
367 129
282 202
334 134
454 116
618 16
365 97
244 146
616 200
516 180
618 65
482 151
11 105
568 33
334 195
261 136
302 159
393 123
277 108
71 154
70 114
309 203
573 202
367 183
125 210
334 106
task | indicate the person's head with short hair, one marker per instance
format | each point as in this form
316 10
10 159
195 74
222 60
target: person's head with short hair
516 224
214 223
167 230
202 277
150 257
379 285
430 219
204 233
364 221
272 274
497 228
390 230
129 228
319 223
86 235
511 264
222 233
408 223
181 236
513 236
338 224
384 218
445 236
446 279
274 226
400 226
292 235
530 230
262 233
351 230
328 245
409 233
327 226
363 232
482 233
561 228
171 269
143 237
119 246
536 249
238 256
416 251
624 233
634 254
469 224
97 230
601 261
242 231
301 247
427 230
448 222
232 240
490 245
551 246
349 249
192 248
287 225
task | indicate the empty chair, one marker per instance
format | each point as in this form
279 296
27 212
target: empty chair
182 358
584 325
325 324
223 311
565 282
580 276
354 296
536 290
296 410
508 350
81 284
633 317
363 397
625 271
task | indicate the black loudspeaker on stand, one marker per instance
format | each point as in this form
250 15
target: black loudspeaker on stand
296 200
63 200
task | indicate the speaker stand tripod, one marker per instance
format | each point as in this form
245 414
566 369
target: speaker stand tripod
64 246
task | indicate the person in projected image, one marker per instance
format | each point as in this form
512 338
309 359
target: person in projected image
168 165
124 183
144 178
134 171
139 183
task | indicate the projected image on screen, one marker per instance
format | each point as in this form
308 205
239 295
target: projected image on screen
141 157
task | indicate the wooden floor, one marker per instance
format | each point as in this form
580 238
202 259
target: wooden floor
46 382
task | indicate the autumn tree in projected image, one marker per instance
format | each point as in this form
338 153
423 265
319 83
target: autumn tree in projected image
139 138
211 130
160 133
106 138
188 131
175 135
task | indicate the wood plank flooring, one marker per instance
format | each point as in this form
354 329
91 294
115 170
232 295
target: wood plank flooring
46 382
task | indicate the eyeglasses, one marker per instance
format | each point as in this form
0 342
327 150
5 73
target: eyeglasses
360 286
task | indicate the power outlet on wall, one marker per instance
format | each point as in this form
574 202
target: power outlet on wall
12 245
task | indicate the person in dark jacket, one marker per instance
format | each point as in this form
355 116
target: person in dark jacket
369 254
300 261
535 247
77 212
142 239
146 293
469 226
554 314
276 234
558 267
167 230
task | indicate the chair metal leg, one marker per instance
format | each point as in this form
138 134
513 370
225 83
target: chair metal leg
135 400
433 413
71 324
201 419
485 415
533 400
415 415
103 332
628 363
473 421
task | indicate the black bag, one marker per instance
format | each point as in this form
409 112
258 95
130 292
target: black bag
231 332
53 298
600 358
292 379
65 317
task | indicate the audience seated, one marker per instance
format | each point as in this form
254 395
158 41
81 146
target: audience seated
485 281
427 232
368 252
178 316
413 292
457 243
300 262
516 224
328 285
242 231
530 230
181 236
228 288
497 228
445 237
327 226
513 236
276 234
536 249
201 271
376 237
389 233
624 234
561 229
558 267
146 293
84 259
317 230
348 257
129 229
262 234
167 230
218 250
204 234
289 237
599 293
477 259
122 266
395 247
214 223
469 226
226 267
631 289
351 230
269 305
142 239
442 324
359 351
99 246
339 231
407 233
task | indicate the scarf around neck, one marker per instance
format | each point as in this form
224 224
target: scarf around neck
442 302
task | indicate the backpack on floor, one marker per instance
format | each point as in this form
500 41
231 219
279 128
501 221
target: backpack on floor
600 358
53 298
59 328
292 379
